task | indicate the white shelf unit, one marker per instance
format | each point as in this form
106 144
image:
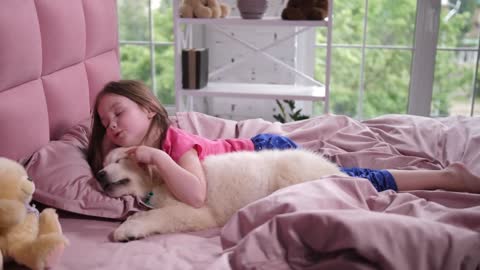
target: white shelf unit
316 92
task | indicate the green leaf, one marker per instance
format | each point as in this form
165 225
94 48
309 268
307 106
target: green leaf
279 118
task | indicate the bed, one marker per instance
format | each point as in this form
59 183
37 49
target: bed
56 55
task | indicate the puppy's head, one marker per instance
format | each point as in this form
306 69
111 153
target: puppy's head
123 176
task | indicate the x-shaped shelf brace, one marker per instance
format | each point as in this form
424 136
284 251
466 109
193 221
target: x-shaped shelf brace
255 51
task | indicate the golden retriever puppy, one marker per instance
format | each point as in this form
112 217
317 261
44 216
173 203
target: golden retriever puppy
233 181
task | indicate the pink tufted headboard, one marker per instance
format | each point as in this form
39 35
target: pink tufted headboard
55 55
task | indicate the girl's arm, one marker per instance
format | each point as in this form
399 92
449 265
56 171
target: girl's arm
186 180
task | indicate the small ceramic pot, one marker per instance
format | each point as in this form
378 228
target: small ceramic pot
252 9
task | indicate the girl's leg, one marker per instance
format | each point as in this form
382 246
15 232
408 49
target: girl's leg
267 141
380 179
455 177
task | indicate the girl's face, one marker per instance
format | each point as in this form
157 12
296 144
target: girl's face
126 123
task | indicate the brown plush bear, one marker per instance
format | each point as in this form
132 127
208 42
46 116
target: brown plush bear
305 10
204 9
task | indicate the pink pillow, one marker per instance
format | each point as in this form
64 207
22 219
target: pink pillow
63 178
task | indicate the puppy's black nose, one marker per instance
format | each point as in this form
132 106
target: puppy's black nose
101 175
102 178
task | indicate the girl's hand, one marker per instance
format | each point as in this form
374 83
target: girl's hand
142 154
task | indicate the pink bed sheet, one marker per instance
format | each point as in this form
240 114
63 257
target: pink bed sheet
91 248
332 223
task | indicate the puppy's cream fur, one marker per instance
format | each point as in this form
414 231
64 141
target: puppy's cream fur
233 181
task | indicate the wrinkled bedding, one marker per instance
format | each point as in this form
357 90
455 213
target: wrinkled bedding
330 223
391 141
337 223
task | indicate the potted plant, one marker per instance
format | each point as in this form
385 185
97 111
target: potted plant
293 114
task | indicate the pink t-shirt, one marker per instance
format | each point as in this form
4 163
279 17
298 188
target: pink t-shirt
178 142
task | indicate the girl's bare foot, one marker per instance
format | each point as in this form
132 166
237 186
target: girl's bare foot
462 179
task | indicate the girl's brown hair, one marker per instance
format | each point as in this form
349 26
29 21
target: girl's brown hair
139 93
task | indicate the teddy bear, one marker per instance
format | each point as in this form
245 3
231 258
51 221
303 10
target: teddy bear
305 10
204 9
27 237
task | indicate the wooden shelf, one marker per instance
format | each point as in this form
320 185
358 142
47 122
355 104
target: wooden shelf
266 21
266 91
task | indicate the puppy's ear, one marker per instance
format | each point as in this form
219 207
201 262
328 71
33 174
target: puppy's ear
115 154
121 152
154 175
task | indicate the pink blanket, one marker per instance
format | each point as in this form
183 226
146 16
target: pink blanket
343 223
340 223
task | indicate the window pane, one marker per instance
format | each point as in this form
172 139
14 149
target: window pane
135 63
133 20
348 23
391 22
164 77
387 79
454 69
462 29
163 20
344 79
453 84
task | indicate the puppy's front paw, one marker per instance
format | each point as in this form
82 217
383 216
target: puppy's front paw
132 229
138 215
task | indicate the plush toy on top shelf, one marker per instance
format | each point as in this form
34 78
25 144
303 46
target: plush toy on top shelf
204 9
29 238
305 10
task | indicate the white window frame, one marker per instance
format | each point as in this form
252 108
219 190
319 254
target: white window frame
423 60
423 63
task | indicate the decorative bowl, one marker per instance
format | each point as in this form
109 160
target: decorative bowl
252 9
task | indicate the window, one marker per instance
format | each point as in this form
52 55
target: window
146 47
373 55
372 52
457 59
